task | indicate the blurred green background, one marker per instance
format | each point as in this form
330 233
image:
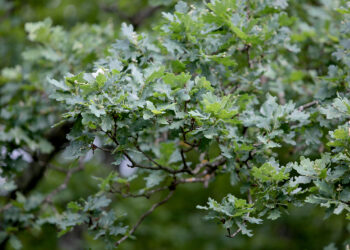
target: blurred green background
177 224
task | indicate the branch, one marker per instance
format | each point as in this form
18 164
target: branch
250 201
185 167
35 171
48 198
63 186
133 229
148 157
307 105
204 179
212 166
135 164
193 145
234 233
159 167
146 195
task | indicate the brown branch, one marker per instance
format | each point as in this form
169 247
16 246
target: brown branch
250 62
133 229
204 179
146 195
149 157
135 164
58 169
250 201
159 167
33 174
212 166
48 198
185 167
307 105
64 184
234 233
193 145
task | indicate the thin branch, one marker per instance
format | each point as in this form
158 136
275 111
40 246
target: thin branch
159 166
204 179
149 157
234 233
212 166
135 164
64 184
307 105
250 62
62 170
193 145
146 195
94 146
250 201
133 229
48 198
184 161
36 169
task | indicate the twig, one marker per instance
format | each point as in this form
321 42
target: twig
204 179
250 62
234 233
250 201
133 229
135 164
184 161
146 195
62 170
307 105
159 166
148 157
193 145
64 184
48 198
212 166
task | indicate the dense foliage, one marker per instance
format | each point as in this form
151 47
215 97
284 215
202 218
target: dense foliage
252 94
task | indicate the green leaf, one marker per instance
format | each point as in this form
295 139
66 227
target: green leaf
155 74
268 173
176 81
274 214
345 195
101 79
97 110
107 123
238 32
154 179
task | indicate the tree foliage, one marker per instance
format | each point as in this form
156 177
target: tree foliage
255 90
